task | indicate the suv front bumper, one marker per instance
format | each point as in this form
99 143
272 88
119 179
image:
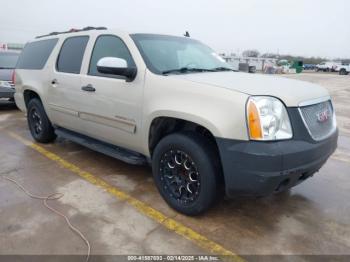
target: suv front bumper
258 168
253 168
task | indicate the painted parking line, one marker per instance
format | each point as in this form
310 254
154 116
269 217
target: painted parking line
341 155
142 207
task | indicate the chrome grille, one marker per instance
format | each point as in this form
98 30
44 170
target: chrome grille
319 119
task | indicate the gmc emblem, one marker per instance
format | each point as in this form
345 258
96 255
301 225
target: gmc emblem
323 116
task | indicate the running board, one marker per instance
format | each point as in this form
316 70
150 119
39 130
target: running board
122 154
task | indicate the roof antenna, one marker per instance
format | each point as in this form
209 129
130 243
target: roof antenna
187 34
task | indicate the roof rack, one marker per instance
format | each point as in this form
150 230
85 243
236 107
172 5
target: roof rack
73 30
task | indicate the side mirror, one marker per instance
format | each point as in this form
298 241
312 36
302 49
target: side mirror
116 66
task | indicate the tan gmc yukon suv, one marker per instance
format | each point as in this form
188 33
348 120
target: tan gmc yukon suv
172 102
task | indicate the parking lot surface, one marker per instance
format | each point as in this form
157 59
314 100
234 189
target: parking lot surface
119 210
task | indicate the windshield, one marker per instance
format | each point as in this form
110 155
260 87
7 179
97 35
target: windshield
171 54
8 60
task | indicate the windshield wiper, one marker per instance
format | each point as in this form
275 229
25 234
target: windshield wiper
3 67
222 68
186 69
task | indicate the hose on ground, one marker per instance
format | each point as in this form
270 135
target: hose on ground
54 196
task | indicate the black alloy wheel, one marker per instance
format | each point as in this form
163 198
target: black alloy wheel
180 177
39 124
186 171
35 122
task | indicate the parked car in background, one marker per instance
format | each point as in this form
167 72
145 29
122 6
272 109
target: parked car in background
173 103
343 69
309 66
327 66
8 60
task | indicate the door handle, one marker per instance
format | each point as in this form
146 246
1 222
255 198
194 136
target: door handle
88 88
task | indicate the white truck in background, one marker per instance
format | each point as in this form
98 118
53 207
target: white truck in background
327 66
343 69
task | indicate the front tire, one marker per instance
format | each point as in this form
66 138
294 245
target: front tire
186 171
39 124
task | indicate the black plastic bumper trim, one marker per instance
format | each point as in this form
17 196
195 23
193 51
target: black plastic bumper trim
257 168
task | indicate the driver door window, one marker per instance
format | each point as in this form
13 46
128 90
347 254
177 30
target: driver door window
109 46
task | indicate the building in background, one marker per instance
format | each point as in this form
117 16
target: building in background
11 46
258 62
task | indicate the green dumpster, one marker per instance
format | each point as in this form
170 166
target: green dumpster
298 65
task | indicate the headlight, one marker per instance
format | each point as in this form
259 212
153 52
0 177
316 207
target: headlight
267 119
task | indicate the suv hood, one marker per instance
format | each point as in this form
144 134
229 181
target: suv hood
291 92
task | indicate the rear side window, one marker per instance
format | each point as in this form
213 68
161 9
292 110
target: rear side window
71 54
35 54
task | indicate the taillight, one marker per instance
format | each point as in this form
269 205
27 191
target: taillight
13 78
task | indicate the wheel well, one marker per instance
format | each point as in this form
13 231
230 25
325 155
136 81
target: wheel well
163 126
29 95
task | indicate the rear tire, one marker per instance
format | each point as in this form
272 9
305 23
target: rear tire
39 124
186 171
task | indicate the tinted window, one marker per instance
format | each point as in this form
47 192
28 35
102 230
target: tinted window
71 55
109 46
35 54
8 60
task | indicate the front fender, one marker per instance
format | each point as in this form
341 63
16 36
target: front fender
183 116
219 110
